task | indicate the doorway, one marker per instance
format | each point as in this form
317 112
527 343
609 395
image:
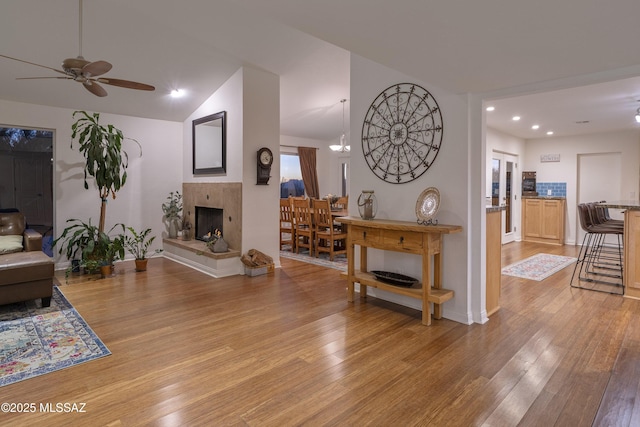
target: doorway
593 187
26 177
504 184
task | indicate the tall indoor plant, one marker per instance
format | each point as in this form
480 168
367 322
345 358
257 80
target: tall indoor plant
105 159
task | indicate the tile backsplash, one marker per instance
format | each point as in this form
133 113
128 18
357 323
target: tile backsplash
558 189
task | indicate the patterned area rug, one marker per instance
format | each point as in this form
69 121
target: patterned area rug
339 261
538 267
36 341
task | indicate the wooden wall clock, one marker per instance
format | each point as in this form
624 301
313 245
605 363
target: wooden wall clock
402 133
265 160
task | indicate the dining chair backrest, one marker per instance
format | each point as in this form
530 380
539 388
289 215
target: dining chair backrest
302 213
286 211
322 213
341 203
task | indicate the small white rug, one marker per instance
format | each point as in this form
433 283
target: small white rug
538 267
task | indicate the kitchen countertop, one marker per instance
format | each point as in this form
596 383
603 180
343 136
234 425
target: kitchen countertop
545 197
622 204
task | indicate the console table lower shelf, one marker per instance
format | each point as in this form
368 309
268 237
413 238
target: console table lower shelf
436 296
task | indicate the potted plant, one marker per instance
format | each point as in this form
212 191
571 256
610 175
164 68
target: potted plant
108 249
95 247
105 159
138 243
78 239
171 210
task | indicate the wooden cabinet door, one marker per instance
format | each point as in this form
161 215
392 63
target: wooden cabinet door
532 218
552 214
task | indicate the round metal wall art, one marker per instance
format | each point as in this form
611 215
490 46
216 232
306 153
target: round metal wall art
402 133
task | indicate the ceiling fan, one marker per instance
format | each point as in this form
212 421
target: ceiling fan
86 72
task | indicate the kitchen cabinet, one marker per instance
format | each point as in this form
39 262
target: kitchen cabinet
543 220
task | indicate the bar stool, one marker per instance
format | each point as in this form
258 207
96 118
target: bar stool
597 262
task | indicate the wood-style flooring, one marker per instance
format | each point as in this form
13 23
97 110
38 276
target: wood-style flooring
287 349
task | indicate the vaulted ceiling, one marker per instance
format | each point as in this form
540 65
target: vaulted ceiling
478 47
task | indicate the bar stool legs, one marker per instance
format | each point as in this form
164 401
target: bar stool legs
599 266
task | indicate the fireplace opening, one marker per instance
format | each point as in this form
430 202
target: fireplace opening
208 220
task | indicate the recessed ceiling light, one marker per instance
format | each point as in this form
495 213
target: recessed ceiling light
550 132
515 118
177 93
535 127
490 108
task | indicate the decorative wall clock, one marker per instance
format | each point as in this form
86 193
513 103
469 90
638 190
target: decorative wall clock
402 133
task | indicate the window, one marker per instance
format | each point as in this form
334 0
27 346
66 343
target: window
291 183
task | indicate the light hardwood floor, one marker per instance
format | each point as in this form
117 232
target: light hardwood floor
287 349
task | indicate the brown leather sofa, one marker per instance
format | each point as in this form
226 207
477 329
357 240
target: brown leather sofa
28 273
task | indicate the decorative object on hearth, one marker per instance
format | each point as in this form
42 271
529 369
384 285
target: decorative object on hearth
396 279
171 210
367 204
38 340
215 242
343 147
186 227
86 72
402 133
427 206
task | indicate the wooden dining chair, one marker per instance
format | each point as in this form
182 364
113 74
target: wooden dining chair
303 225
327 237
341 203
287 230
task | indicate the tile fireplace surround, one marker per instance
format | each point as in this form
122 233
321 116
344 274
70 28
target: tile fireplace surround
226 196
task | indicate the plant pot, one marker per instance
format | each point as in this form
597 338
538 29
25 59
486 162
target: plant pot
141 264
106 270
173 229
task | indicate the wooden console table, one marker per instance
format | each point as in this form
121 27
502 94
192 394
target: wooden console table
399 236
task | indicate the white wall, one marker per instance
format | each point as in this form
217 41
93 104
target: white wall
566 170
227 98
261 128
252 102
150 177
449 173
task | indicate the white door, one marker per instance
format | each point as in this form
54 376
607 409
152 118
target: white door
505 173
599 178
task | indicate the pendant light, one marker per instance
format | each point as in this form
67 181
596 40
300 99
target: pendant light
343 147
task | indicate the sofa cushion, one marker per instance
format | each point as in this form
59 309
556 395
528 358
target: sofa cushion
11 243
22 267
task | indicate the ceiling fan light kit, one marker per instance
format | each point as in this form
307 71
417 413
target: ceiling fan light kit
86 72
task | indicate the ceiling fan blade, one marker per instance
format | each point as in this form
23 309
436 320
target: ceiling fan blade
38 78
96 68
125 83
93 87
33 63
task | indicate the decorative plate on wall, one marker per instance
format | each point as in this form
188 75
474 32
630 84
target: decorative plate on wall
402 133
427 205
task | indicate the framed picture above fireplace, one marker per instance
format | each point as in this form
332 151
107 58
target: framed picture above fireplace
210 144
